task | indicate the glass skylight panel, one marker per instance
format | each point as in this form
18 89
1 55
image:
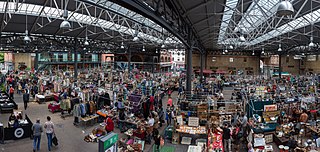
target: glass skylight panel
76 17
227 15
257 13
293 25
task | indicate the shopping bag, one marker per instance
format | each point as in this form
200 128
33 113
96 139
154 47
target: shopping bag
55 140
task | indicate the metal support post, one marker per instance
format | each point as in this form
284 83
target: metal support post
75 59
129 60
201 66
189 71
36 61
280 70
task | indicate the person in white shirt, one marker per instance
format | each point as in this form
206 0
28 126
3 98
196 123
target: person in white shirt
49 127
151 121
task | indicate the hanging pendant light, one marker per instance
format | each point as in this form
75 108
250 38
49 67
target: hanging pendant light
253 53
231 47
311 44
226 50
262 52
86 43
65 23
122 46
242 38
285 8
163 46
279 49
135 39
26 37
143 49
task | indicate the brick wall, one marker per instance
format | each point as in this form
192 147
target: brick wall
222 62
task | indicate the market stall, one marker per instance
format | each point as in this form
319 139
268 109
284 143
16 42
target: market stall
18 127
7 104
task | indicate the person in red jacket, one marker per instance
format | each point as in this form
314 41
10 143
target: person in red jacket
109 125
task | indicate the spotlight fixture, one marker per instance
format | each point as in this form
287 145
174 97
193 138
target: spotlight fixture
163 46
285 8
262 52
156 50
226 50
143 49
223 52
253 53
36 49
122 46
231 47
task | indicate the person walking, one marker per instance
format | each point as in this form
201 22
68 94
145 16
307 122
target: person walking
226 138
25 99
11 92
37 130
49 126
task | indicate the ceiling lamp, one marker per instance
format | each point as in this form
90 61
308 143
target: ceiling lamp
242 38
26 37
163 46
122 46
143 49
231 47
135 39
311 44
86 43
262 52
253 53
65 23
279 49
226 50
36 49
285 8
223 52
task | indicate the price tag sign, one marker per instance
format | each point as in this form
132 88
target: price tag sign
193 121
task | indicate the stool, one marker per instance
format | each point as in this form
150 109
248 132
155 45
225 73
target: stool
286 149
281 148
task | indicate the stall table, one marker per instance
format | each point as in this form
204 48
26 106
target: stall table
280 140
89 119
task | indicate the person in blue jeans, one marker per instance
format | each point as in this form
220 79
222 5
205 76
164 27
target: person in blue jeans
49 131
37 130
